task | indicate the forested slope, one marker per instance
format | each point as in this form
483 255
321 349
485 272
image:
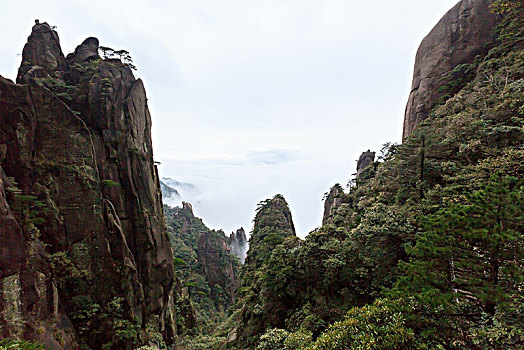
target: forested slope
426 248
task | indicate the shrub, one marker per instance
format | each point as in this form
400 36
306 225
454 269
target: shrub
109 183
378 326
16 344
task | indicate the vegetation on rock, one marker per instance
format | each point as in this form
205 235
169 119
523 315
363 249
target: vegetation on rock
426 250
206 268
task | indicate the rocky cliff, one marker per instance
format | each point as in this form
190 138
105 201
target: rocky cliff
365 159
333 201
218 266
463 33
84 260
238 244
207 267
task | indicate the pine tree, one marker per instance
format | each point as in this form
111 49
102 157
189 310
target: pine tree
466 265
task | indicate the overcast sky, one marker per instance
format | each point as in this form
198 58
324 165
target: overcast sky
251 98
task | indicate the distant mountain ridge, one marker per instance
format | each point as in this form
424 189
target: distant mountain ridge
174 192
169 192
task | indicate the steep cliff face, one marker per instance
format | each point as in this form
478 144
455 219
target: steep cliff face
463 33
364 160
238 244
219 269
87 254
332 203
208 268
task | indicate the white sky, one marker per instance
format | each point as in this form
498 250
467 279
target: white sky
251 98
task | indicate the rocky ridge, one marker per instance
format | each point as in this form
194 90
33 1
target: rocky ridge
207 267
169 193
273 226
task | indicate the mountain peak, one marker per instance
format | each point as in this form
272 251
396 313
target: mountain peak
42 55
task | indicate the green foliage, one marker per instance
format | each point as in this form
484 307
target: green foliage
59 87
17 344
467 262
85 314
298 340
67 273
456 79
23 198
429 225
506 6
387 152
123 55
109 183
96 321
280 339
122 329
88 68
106 87
134 150
202 342
179 262
201 303
377 326
273 339
30 209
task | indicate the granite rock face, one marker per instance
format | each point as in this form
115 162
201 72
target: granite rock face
238 244
215 257
207 254
42 55
462 34
87 51
83 240
333 201
365 159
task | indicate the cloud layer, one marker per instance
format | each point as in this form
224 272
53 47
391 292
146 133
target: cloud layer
252 98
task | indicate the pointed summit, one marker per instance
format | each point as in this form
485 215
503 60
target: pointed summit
273 223
42 55
333 201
